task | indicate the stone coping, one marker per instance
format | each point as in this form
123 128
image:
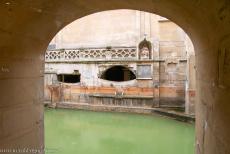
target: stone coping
120 96
180 116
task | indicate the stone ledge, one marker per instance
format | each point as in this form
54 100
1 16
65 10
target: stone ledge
140 110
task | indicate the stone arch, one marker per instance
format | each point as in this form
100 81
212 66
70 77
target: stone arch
118 69
27 27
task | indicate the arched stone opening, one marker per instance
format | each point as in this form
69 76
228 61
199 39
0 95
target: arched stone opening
118 73
28 27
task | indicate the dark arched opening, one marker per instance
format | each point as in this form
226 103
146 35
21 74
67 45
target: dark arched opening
118 73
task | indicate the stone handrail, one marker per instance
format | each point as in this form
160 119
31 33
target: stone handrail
91 54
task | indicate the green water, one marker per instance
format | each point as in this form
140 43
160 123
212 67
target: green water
83 132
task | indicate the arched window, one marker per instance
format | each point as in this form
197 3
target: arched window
118 73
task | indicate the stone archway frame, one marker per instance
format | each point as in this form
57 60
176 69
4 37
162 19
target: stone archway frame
27 27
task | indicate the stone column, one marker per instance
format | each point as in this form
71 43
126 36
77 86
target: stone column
21 101
190 86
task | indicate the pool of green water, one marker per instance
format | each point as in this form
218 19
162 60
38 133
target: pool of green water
84 132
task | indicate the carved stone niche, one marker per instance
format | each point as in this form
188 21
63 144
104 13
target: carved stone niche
224 63
145 49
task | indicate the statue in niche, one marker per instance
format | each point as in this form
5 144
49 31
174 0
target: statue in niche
145 52
145 49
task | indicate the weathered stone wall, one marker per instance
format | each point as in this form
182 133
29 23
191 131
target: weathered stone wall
191 86
170 88
117 28
169 56
28 26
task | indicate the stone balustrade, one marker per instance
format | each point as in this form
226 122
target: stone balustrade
62 55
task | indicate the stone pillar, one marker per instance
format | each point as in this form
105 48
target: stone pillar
21 99
190 86
212 100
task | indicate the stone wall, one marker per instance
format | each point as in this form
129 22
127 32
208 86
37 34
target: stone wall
104 44
28 26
